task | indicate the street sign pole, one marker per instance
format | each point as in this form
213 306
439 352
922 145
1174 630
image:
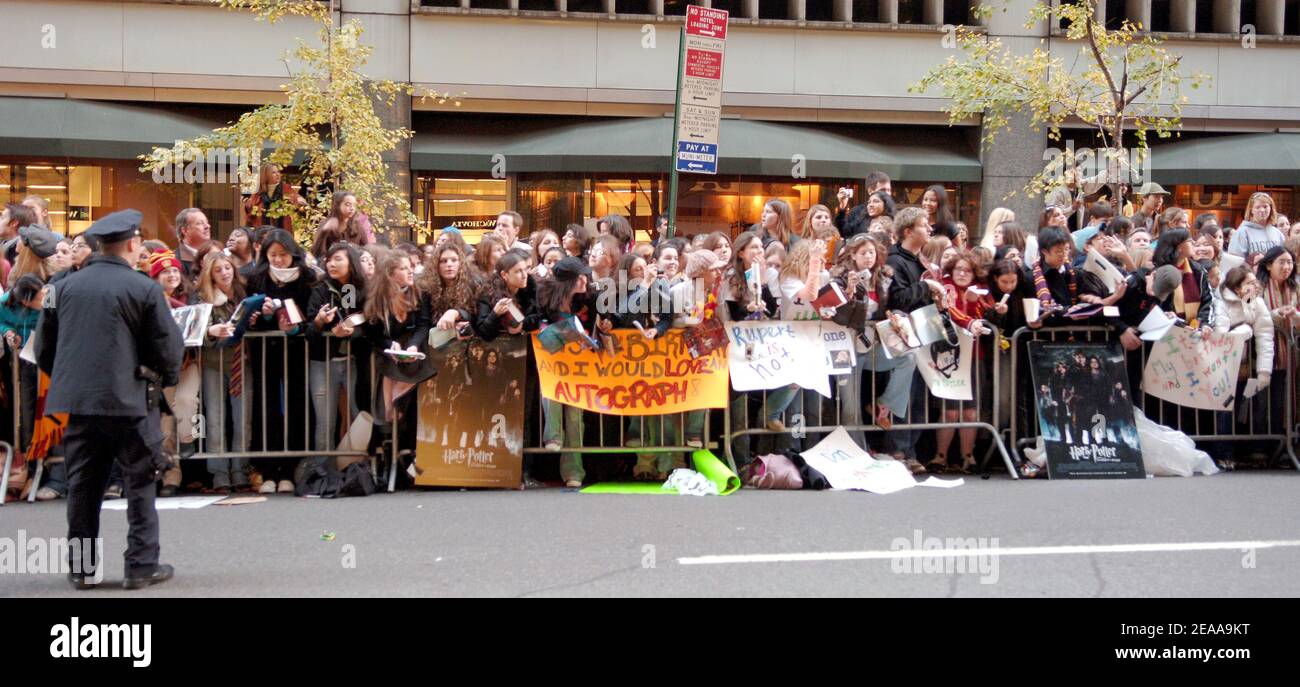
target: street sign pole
672 154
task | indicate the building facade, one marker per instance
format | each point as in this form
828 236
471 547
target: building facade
562 108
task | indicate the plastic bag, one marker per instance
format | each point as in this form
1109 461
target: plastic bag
1168 452
691 483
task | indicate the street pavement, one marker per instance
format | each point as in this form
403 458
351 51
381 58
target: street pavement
556 542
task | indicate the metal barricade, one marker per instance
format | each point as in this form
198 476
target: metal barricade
278 375
981 413
1251 420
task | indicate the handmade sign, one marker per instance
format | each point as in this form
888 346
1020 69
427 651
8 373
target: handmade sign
471 421
847 466
1085 413
772 354
946 369
1195 370
640 377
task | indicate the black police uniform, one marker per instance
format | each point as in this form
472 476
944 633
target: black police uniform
108 331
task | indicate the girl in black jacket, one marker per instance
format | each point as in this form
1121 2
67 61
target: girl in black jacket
280 419
397 313
330 335
510 284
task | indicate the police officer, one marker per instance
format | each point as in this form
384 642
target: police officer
106 338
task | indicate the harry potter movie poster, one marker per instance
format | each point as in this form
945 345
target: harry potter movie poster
1085 412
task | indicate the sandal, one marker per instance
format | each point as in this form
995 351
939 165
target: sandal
884 417
936 466
969 466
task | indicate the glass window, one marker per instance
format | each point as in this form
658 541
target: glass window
469 204
551 201
80 191
638 200
1228 203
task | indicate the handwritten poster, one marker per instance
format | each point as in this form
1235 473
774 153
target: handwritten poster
946 368
847 466
1194 371
471 421
772 354
640 377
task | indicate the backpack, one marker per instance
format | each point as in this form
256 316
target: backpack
320 480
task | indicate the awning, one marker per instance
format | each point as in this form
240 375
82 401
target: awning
62 127
641 145
1270 158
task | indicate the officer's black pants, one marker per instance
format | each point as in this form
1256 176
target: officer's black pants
93 444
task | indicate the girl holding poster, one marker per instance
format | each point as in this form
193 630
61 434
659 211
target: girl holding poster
967 299
747 294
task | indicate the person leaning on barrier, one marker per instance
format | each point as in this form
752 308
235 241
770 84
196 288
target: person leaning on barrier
332 368
279 397
1193 300
108 306
1060 287
1145 290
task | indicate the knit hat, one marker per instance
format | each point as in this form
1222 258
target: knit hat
701 261
160 261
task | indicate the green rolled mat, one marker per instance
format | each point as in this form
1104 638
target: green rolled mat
706 464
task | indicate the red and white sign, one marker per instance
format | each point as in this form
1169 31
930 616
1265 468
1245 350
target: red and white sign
702 21
699 84
703 64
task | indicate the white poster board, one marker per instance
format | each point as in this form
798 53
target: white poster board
772 354
847 466
1193 370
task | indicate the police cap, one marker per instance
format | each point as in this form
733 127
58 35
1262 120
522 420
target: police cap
117 227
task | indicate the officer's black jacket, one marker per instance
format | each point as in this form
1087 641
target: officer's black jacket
104 322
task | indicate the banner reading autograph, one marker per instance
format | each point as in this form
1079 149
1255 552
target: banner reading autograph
643 377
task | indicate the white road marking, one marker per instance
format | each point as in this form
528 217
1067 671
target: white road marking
992 551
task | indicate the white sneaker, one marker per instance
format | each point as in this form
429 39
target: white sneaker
286 487
573 484
552 446
268 487
695 443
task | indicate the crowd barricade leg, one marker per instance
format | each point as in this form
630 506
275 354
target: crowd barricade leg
922 411
4 476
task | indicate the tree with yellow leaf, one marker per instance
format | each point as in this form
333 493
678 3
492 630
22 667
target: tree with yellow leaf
1120 81
327 124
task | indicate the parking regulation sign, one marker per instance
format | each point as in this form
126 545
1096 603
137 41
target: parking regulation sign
700 158
699 83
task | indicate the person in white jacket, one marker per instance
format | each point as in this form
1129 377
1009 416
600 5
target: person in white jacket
1242 305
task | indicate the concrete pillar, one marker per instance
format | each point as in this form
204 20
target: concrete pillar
1139 12
932 12
387 24
1227 16
749 9
1182 15
844 10
888 12
797 10
1269 17
1017 153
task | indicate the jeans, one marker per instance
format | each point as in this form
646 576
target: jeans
342 378
897 397
564 425
217 401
